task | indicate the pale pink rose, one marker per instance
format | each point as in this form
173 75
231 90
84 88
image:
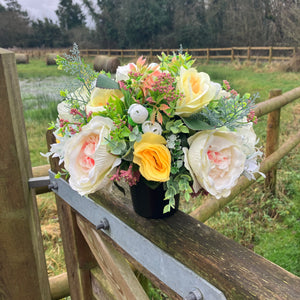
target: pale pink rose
87 159
215 160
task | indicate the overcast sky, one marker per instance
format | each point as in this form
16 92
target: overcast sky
40 9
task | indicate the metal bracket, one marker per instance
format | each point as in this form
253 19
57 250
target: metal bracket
36 182
169 270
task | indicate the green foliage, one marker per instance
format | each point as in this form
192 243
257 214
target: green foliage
180 180
228 112
73 64
176 127
174 63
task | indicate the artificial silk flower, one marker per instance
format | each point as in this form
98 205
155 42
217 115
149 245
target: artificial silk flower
100 97
122 71
86 158
138 113
197 90
153 157
155 127
215 160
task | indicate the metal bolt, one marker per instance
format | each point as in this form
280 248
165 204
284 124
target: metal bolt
53 186
194 295
103 224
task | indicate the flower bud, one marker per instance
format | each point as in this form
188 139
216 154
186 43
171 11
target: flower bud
154 128
138 113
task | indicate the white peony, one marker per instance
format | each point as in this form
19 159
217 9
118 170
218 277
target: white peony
87 159
215 160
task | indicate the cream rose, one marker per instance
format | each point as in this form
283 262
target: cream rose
197 89
99 98
215 160
87 159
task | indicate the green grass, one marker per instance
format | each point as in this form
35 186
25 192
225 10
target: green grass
267 224
37 68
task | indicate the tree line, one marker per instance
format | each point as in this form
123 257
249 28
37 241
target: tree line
127 24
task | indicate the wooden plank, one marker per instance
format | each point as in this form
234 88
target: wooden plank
236 271
78 257
22 262
101 287
138 267
114 266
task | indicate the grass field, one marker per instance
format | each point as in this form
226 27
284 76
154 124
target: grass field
266 224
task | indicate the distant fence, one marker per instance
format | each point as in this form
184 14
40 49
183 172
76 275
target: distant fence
244 53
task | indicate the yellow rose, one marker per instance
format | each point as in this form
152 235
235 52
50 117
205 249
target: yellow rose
153 157
197 89
99 98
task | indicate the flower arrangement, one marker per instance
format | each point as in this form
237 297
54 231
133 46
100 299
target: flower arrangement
166 122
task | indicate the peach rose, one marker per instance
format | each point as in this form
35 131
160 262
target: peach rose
153 157
87 159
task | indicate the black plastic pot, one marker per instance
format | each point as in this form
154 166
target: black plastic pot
150 203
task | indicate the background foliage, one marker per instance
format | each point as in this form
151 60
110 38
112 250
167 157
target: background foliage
155 24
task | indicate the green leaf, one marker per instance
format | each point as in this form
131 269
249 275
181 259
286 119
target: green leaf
175 129
194 122
187 196
104 82
167 208
184 129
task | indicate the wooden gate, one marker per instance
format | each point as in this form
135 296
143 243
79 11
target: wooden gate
106 244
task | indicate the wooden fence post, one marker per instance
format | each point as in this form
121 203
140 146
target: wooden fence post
271 55
272 142
248 53
207 55
22 262
232 54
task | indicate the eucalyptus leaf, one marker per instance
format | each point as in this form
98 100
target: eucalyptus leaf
196 122
104 82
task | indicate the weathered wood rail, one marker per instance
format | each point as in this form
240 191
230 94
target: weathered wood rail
100 263
228 53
